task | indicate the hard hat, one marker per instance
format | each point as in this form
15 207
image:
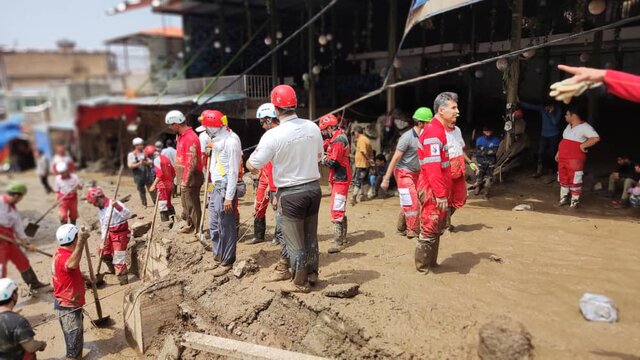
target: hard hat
283 96
61 166
66 234
137 141
149 150
158 144
7 288
16 187
213 118
423 114
174 117
327 120
266 110
93 193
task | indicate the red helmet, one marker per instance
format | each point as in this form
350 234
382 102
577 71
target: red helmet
149 149
213 118
327 120
93 194
284 97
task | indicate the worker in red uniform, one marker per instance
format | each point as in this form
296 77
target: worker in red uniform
165 173
577 137
337 160
434 183
624 85
67 186
115 237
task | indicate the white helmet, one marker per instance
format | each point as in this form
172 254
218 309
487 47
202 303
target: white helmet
61 166
137 141
174 117
266 110
66 234
7 288
158 144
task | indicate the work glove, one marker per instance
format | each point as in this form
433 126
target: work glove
565 90
474 167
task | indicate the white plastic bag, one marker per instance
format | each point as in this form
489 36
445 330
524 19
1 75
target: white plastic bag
595 307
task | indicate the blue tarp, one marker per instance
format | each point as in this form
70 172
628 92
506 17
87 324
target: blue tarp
10 129
43 143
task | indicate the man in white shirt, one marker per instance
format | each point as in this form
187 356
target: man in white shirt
294 148
170 152
572 154
142 169
224 165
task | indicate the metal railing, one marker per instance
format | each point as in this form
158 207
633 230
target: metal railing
253 86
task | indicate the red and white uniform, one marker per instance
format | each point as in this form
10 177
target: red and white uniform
67 193
11 228
68 284
119 234
71 166
624 85
339 173
456 157
435 176
407 174
165 173
571 158
265 186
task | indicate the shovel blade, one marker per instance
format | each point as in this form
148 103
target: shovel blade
31 229
103 322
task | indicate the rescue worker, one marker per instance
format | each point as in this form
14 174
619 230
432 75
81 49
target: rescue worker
405 168
188 168
266 189
142 170
163 183
16 335
226 156
486 151
114 240
363 159
205 142
68 287
435 180
61 155
294 148
67 186
622 84
11 228
458 160
337 160
577 138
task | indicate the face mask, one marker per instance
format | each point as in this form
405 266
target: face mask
213 132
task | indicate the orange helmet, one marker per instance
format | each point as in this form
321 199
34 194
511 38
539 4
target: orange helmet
327 120
213 118
93 194
150 149
283 96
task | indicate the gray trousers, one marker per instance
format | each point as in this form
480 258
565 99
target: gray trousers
278 232
190 199
222 225
298 208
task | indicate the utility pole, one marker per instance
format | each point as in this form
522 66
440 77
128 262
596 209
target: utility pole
312 82
392 45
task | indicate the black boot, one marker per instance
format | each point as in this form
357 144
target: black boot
344 230
423 254
259 228
31 279
108 261
338 240
164 216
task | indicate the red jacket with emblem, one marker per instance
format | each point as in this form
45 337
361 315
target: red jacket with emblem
337 158
433 154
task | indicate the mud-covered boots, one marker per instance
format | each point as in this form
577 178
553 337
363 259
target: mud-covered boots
401 224
423 254
108 261
354 195
345 225
281 271
259 229
123 279
338 240
434 253
31 279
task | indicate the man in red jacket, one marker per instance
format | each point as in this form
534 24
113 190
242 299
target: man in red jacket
337 159
434 183
624 85
165 173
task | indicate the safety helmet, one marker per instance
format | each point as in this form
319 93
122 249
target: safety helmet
266 110
61 166
7 288
93 193
284 97
213 118
16 187
174 117
149 150
158 144
137 141
66 234
423 114
327 120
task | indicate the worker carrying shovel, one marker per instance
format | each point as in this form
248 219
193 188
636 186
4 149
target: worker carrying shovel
11 230
113 248
67 186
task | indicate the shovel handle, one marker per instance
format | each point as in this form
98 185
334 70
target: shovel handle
115 198
94 289
58 201
4 238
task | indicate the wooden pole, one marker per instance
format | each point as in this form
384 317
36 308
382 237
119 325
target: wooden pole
150 237
391 48
514 63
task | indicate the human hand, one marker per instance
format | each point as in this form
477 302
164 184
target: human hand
274 203
583 148
556 157
442 203
30 247
228 205
474 167
152 188
385 184
84 236
583 73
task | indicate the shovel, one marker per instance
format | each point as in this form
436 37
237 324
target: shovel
101 321
4 238
32 228
201 234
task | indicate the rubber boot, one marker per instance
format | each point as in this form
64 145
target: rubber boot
487 187
434 253
364 193
401 225
477 187
164 216
281 272
354 195
423 254
575 202
345 224
259 228
143 198
108 261
337 240
31 279
448 225
564 196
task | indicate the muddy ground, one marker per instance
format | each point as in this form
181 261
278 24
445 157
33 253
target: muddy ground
550 258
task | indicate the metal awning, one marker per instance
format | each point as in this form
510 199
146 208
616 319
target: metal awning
165 100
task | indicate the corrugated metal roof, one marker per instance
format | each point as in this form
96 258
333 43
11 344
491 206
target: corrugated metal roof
155 100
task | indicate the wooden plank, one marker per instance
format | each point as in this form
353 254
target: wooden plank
240 350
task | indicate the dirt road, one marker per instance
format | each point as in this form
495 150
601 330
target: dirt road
550 258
